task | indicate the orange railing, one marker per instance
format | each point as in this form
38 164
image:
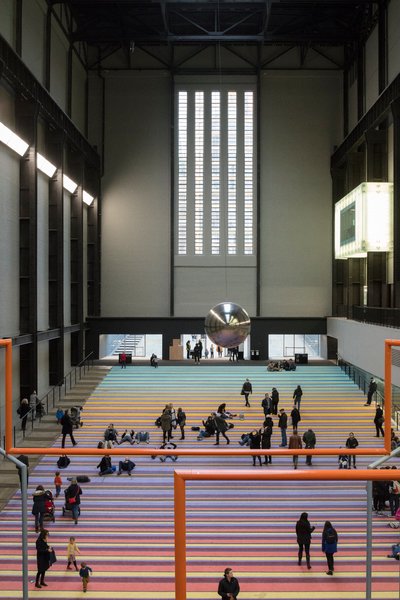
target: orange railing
181 476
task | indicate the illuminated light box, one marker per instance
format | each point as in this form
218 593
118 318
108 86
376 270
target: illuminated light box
364 221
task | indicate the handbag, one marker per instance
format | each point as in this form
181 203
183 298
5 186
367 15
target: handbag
52 557
72 500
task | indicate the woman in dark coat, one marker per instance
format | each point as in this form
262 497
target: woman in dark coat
181 420
73 491
67 427
329 545
266 434
39 507
255 443
23 411
297 394
378 420
221 426
43 558
228 587
296 418
303 532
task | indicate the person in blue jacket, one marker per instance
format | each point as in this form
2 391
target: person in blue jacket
329 545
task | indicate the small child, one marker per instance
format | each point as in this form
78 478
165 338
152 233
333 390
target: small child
85 574
72 551
58 483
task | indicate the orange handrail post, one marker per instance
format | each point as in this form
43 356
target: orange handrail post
180 536
180 476
388 392
7 343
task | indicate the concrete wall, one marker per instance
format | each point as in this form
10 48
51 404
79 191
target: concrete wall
363 345
371 69
393 39
136 196
33 36
300 124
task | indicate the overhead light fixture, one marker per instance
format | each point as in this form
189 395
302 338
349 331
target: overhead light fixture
364 220
45 166
69 185
12 140
87 198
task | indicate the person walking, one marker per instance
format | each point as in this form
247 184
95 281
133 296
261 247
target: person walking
221 427
247 389
43 551
352 443
73 498
122 359
297 395
181 421
84 573
166 424
188 347
274 401
196 354
282 424
295 444
72 551
57 483
255 443
39 508
372 387
329 545
303 533
23 411
33 402
295 416
378 420
266 434
67 428
228 587
310 441
266 405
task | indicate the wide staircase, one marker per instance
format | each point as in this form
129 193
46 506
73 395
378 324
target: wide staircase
125 532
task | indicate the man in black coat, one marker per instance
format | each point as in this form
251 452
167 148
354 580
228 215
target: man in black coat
282 424
67 427
371 391
274 401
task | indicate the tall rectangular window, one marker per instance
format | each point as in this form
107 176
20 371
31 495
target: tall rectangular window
182 172
199 173
215 171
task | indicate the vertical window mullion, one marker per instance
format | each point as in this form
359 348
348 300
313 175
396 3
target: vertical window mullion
182 172
199 174
215 171
232 174
248 175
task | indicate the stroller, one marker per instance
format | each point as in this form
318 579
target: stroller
49 507
76 416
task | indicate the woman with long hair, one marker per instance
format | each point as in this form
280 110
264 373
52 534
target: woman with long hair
43 558
329 545
303 532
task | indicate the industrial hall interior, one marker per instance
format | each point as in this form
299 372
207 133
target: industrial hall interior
200 299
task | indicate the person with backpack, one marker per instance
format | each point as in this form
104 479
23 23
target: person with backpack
329 545
352 443
309 440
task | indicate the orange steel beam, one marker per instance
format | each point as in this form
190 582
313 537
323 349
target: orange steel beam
56 451
181 476
386 449
7 344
